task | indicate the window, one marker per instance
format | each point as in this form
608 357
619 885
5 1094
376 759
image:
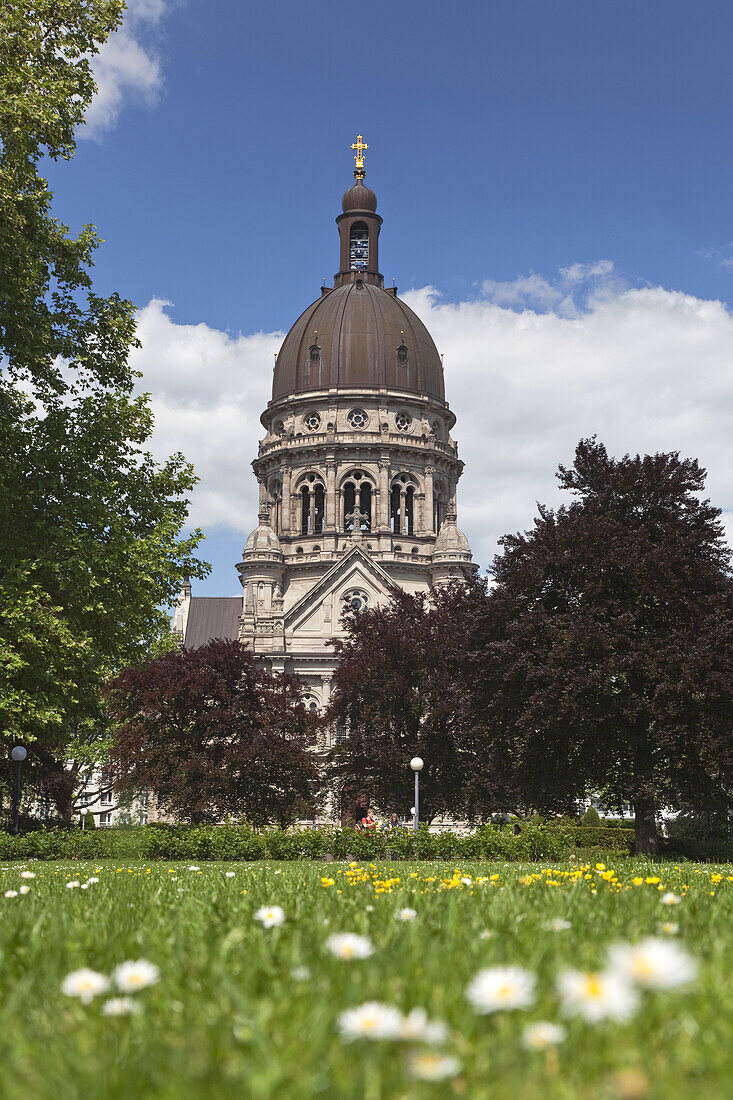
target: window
341 731
356 599
359 247
402 506
312 422
358 419
312 504
357 499
402 422
105 798
105 819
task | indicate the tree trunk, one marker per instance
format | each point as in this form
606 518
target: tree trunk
645 830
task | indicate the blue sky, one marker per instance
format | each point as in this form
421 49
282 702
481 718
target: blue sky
558 172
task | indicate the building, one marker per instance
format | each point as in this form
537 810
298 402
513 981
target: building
357 470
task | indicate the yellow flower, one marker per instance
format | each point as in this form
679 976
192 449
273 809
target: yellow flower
638 881
653 880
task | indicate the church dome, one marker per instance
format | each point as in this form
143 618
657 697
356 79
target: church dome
359 197
263 540
358 336
451 542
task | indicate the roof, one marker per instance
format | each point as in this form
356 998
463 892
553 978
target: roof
361 329
212 617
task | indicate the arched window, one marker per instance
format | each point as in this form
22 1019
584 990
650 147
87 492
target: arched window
312 506
438 506
275 506
359 247
357 496
402 506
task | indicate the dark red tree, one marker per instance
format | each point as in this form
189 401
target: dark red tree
606 652
402 690
211 735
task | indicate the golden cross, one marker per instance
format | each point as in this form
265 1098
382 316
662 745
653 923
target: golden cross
359 158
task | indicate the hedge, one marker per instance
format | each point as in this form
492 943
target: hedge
240 842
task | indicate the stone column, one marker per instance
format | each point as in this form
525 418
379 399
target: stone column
330 520
419 525
403 511
311 511
383 516
286 517
429 509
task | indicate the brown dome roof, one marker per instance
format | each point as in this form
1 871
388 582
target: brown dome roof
359 197
367 339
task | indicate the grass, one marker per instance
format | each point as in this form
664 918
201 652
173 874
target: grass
228 1019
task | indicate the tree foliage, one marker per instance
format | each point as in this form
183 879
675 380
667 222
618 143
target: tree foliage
606 650
90 545
402 688
210 735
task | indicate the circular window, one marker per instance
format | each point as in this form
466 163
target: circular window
402 422
358 419
312 422
356 600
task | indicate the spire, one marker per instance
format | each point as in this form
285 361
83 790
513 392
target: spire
359 228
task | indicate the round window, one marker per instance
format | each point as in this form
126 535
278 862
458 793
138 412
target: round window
356 600
402 422
312 422
358 419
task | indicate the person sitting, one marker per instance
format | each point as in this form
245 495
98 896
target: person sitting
368 822
394 822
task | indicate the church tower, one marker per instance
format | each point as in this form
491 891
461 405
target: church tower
357 469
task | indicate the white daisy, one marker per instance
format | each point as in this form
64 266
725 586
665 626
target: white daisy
487 934
229 874
72 885
428 1065
11 893
84 984
25 889
92 879
557 924
670 899
599 996
370 1021
653 963
27 874
135 974
194 868
406 914
85 885
669 927
542 1035
121 1006
349 945
300 973
270 915
501 987
417 1027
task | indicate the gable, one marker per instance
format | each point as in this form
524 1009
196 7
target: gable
318 612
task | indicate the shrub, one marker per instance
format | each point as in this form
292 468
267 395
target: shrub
591 817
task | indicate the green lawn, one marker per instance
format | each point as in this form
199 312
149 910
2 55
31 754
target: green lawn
243 1010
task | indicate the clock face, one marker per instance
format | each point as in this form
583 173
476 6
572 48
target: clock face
359 249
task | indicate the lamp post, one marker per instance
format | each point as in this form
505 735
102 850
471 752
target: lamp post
417 766
17 754
84 811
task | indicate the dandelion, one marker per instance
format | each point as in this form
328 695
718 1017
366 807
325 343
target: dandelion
27 874
428 1065
599 996
653 963
11 893
406 914
84 984
557 924
348 945
542 1035
72 885
133 975
417 1027
670 899
270 915
371 1020
501 987
121 1006
25 889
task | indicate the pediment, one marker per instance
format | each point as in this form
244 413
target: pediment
319 610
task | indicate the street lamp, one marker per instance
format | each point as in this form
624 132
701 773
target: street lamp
17 754
84 811
417 766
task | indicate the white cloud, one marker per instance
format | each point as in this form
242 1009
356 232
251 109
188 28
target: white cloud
645 369
125 68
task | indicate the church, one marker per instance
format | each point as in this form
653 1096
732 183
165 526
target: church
357 471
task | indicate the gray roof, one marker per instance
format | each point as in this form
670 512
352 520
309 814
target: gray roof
211 617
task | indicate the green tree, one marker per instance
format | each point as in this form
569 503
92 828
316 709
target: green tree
606 650
90 541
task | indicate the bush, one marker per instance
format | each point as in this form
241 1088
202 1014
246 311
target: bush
536 840
591 817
